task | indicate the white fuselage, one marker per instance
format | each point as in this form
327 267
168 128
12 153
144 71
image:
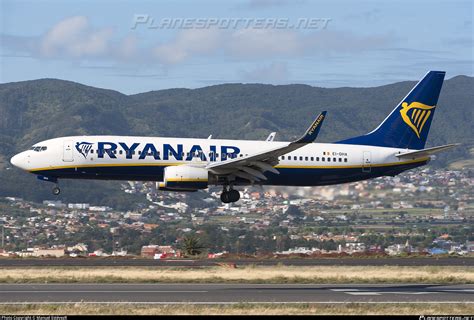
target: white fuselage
143 158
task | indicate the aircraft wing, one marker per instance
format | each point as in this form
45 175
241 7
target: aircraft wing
425 152
253 166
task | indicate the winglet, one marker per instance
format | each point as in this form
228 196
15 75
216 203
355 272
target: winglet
313 130
271 136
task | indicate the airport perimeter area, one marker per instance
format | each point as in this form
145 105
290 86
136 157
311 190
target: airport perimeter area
237 290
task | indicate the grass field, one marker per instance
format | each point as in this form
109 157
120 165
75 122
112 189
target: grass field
249 274
242 309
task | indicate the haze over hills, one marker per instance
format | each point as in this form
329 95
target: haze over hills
31 111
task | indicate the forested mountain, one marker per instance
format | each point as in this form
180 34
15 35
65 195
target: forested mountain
31 111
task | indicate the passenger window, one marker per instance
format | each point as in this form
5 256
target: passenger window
301 158
282 157
120 152
340 159
323 159
306 158
312 158
329 159
295 158
317 158
334 159
92 151
345 159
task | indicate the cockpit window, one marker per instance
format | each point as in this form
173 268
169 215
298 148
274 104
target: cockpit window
38 148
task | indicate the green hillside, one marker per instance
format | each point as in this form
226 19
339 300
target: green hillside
32 111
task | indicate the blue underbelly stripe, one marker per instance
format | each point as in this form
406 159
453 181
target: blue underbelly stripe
287 176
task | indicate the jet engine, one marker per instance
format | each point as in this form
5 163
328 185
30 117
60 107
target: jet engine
184 178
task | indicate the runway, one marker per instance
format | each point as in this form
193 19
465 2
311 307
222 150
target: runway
389 261
234 293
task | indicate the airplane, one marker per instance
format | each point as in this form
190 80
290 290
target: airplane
184 164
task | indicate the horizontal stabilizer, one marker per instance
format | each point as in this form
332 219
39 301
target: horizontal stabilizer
425 152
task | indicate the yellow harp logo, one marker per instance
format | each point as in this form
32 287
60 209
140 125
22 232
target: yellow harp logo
415 115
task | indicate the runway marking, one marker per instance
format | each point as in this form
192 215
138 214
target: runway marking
363 293
344 290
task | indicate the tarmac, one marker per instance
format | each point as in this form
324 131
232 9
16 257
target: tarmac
233 293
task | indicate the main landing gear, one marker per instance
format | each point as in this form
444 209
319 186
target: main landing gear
229 195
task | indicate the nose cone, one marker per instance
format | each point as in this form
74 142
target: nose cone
19 161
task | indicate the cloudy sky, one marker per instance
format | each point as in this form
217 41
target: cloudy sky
138 46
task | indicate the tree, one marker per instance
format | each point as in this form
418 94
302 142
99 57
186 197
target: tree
192 245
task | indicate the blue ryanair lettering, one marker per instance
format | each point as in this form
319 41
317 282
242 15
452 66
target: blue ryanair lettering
196 151
101 149
213 154
129 150
226 153
168 150
149 150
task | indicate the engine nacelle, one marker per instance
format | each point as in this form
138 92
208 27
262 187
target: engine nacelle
184 178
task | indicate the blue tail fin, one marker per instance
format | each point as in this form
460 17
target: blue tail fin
408 124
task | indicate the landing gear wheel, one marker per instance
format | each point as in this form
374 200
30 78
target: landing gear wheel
230 196
225 197
234 195
56 191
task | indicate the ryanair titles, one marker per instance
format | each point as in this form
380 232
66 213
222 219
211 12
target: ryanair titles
165 151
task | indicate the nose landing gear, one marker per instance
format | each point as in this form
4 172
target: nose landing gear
229 195
56 191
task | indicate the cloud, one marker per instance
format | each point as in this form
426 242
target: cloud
258 44
128 47
76 38
276 72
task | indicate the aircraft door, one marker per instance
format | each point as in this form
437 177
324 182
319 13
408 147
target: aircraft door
366 161
67 151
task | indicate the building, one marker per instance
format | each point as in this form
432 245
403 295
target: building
49 252
152 250
149 251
